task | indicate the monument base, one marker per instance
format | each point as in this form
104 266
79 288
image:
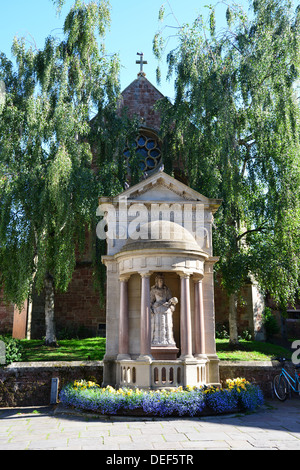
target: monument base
164 352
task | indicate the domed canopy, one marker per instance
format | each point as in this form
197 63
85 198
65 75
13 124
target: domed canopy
161 234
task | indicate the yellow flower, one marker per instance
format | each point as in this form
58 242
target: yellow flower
238 382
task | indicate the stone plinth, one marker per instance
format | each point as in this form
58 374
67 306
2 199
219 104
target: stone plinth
168 353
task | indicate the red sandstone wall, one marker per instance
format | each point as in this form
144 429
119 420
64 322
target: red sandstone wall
80 306
139 98
244 314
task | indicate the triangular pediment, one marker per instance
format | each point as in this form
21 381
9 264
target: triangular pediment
161 187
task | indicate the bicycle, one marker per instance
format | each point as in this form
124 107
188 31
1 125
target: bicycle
283 382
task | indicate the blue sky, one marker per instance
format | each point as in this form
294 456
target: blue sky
133 26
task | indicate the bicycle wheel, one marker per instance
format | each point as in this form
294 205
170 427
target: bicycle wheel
280 387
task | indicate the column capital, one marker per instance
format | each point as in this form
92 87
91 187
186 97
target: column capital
145 273
124 277
184 275
197 278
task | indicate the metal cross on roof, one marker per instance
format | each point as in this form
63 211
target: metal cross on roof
141 62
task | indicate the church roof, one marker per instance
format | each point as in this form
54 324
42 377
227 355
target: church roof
139 98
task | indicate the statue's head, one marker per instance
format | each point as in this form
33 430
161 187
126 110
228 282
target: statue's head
159 280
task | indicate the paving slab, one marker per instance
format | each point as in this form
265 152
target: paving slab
274 427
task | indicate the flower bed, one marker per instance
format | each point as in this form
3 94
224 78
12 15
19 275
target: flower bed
238 395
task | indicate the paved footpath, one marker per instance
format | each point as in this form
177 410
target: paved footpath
276 427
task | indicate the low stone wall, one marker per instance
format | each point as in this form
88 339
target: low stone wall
29 384
259 372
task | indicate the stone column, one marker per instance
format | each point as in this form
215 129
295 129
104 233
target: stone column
199 320
124 320
145 330
185 317
209 308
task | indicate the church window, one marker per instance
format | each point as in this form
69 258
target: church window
148 150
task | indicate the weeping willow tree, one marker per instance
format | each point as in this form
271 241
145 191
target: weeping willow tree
234 130
48 190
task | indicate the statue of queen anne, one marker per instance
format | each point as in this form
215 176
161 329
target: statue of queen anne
162 308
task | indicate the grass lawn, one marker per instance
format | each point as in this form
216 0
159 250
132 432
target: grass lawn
94 349
250 351
69 350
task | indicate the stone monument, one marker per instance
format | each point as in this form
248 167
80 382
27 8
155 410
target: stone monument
160 287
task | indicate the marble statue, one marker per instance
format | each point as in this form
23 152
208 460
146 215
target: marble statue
162 308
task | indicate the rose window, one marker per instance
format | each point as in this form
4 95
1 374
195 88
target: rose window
147 150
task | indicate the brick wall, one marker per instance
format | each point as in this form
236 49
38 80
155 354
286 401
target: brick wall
76 310
244 309
139 98
80 305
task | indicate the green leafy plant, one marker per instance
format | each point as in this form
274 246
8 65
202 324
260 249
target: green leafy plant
221 331
246 335
13 349
270 323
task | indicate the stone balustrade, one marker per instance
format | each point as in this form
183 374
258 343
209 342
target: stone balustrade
160 374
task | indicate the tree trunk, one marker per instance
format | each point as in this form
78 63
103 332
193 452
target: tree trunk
233 330
49 312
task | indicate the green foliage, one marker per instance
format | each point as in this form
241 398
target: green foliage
59 119
234 128
161 13
270 323
221 331
246 335
13 349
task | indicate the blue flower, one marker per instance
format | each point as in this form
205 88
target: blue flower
251 398
222 401
189 402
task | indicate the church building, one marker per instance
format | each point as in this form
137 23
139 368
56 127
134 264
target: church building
80 309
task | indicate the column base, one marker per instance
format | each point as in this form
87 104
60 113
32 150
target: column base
145 358
123 357
188 358
201 357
